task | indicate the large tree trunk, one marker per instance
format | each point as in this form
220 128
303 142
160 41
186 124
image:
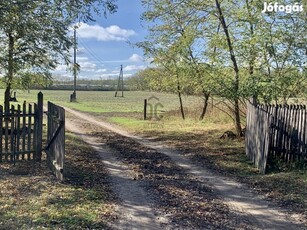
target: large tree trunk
206 99
10 74
236 81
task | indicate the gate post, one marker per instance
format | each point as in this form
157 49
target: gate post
145 109
39 138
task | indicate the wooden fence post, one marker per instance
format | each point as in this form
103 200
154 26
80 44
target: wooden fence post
56 139
1 131
39 138
145 109
254 100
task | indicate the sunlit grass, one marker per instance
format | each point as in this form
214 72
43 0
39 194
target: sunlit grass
128 110
32 198
104 101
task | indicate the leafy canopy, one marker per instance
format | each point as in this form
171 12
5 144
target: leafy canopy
34 34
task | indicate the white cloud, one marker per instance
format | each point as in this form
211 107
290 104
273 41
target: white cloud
149 60
61 68
88 66
136 58
134 67
106 76
111 33
101 70
127 75
81 59
109 75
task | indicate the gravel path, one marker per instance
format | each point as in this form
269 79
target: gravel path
259 213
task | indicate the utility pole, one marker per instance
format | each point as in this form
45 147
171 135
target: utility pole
73 96
120 84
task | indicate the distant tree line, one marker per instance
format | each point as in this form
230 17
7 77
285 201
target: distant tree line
84 85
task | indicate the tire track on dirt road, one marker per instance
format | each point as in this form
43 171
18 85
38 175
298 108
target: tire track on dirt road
134 210
262 214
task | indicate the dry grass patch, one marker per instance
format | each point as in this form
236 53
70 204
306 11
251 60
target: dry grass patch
31 197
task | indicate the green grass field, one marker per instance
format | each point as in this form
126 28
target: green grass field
127 111
104 101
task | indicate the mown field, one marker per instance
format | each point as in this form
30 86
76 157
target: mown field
198 140
127 111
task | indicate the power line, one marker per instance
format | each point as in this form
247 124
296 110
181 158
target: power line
91 52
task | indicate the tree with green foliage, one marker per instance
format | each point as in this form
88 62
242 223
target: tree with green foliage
138 81
34 34
28 80
172 43
243 51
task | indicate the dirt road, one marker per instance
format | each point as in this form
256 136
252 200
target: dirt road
246 209
135 210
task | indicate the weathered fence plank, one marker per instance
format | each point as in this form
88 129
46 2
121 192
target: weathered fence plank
19 136
29 132
257 135
39 126
17 122
277 131
1 133
304 131
12 136
56 139
24 111
6 133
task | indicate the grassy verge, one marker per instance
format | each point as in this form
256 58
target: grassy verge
31 198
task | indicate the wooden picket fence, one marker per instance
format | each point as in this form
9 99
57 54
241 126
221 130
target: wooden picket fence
21 131
55 148
278 131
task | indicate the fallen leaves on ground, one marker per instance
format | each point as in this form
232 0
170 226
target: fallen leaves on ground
32 198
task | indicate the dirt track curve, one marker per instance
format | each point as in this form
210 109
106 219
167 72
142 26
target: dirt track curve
136 207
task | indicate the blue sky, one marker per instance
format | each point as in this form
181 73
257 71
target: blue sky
103 45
